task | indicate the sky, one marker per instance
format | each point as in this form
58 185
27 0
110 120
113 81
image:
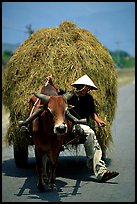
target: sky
112 23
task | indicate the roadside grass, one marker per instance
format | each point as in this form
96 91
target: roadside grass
5 123
125 76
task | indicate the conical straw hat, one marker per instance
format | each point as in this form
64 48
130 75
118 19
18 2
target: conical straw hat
84 80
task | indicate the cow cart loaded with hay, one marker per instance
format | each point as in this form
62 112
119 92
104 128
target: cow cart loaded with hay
68 52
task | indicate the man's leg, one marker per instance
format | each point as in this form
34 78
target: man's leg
94 152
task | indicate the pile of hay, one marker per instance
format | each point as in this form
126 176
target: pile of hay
68 52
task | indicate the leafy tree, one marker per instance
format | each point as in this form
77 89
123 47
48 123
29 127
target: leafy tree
122 59
6 56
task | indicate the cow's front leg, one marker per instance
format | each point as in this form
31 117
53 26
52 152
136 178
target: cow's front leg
52 178
45 168
39 166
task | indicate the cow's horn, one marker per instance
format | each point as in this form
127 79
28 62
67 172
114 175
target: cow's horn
68 95
43 97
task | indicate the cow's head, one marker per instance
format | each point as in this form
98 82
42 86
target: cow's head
57 107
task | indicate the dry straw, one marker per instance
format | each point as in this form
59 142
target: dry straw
68 52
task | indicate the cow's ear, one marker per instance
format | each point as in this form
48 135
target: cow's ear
44 98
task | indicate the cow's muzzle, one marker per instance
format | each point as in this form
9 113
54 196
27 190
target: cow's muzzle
60 129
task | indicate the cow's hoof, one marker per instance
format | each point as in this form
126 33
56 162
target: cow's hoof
45 179
41 187
52 187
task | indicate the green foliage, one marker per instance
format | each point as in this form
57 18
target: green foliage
6 56
128 63
122 59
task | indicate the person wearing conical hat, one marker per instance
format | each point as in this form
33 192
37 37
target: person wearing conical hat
83 107
84 80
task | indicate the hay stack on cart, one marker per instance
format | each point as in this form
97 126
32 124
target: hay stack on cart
68 52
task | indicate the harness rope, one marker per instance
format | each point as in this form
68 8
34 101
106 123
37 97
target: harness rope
37 101
72 140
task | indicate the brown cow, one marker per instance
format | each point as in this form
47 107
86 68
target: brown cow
49 132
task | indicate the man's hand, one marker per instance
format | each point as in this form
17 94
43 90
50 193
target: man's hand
100 122
49 78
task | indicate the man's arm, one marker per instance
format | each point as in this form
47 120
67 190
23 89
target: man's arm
99 121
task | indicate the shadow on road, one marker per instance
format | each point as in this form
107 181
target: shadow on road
69 167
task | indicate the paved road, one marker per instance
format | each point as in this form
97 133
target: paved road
75 183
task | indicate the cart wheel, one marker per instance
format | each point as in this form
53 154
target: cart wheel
20 155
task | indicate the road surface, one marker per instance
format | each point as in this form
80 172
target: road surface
75 183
